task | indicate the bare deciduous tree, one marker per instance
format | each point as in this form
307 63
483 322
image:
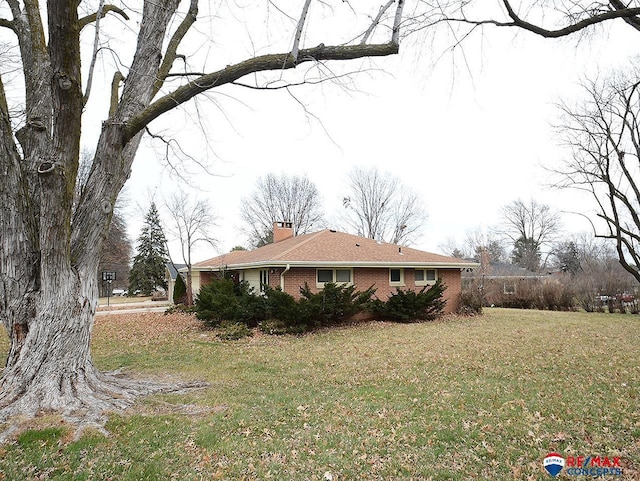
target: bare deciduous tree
529 226
281 198
599 274
603 133
611 106
475 243
191 224
380 207
49 250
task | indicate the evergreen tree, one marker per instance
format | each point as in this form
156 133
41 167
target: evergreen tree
568 257
179 290
526 253
149 264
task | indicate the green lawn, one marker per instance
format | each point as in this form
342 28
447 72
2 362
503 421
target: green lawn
481 398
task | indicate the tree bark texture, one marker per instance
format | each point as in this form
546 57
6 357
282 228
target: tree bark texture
49 248
49 260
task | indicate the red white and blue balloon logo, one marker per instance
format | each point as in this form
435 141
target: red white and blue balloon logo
553 463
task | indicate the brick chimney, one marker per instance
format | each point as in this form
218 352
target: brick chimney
485 260
282 231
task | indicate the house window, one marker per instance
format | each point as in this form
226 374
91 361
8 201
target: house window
325 275
396 277
339 276
509 288
426 277
264 279
343 275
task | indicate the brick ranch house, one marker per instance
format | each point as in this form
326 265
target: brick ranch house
331 256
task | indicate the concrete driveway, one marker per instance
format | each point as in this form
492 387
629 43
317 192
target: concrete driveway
133 307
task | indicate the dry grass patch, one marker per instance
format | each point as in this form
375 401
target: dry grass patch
115 300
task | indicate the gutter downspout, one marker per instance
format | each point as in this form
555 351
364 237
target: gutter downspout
286 269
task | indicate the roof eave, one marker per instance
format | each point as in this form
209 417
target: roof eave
349 264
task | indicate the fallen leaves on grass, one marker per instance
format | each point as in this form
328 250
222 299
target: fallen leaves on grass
163 408
146 327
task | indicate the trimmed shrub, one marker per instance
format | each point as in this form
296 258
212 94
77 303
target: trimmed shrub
224 300
217 302
333 304
276 312
411 306
281 306
179 291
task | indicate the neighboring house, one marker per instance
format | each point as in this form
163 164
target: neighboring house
504 284
170 275
330 256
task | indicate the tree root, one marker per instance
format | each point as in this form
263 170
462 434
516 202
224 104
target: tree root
87 404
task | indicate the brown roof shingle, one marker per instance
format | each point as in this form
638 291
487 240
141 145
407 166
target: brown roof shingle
329 247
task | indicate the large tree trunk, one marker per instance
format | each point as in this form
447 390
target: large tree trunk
52 369
48 301
50 313
48 290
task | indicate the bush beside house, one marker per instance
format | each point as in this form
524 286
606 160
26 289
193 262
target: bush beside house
411 306
223 303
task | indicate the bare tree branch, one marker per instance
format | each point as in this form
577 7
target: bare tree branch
172 148
172 48
14 6
296 40
7 24
634 21
379 207
628 14
530 226
191 224
281 198
375 22
115 86
332 77
256 64
395 33
101 13
94 56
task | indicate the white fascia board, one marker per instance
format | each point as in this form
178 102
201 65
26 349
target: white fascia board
316 264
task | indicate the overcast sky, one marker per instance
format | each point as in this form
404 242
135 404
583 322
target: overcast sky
469 134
